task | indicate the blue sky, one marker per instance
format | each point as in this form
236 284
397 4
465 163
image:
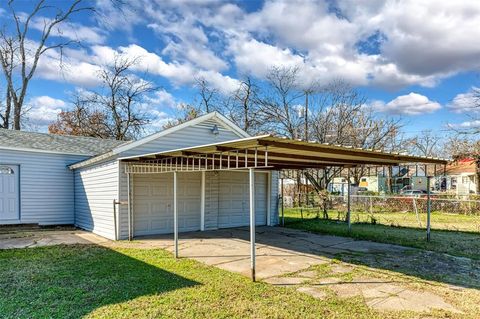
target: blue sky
417 60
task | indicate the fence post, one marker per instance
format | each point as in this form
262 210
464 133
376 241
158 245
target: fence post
428 208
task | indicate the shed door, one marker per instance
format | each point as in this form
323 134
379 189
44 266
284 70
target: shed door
9 193
153 203
234 201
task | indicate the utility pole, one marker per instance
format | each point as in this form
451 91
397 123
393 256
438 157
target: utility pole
306 115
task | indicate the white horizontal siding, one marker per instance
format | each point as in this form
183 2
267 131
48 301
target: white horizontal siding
199 134
46 186
123 209
96 187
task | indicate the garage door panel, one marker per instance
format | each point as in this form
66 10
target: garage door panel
142 190
234 204
160 190
153 208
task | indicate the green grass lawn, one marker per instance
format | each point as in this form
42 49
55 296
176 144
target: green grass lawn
91 281
398 228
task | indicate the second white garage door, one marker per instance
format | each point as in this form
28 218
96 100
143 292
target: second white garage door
153 203
233 201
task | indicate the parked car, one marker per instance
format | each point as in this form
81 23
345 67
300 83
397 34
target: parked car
414 192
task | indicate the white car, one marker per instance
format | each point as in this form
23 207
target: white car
414 192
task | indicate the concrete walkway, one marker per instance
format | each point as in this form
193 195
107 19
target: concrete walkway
280 251
304 261
29 238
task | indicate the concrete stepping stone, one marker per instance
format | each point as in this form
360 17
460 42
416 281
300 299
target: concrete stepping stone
340 268
391 296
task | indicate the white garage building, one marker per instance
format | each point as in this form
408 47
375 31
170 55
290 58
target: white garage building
207 199
204 174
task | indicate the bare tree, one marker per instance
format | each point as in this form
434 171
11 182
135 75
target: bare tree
242 105
425 144
19 57
340 116
118 103
280 105
208 94
8 52
121 96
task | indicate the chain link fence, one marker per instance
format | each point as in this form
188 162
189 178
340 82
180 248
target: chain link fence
401 211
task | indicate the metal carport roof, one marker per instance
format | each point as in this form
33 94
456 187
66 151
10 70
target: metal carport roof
259 152
266 151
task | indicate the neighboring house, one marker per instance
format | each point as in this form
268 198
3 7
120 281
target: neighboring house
404 177
461 176
50 179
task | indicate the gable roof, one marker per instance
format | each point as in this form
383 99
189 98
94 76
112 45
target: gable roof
212 115
52 143
123 148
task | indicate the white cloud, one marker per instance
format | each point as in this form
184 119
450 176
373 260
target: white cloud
257 58
178 73
431 37
411 104
42 110
389 44
82 68
72 31
466 102
467 124
67 69
162 98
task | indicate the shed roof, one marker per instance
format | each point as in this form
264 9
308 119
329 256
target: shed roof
52 143
285 153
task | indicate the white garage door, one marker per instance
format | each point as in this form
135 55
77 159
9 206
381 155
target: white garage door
233 203
153 203
9 193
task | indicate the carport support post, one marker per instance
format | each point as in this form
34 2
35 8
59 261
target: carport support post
349 222
129 207
429 208
175 214
251 173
